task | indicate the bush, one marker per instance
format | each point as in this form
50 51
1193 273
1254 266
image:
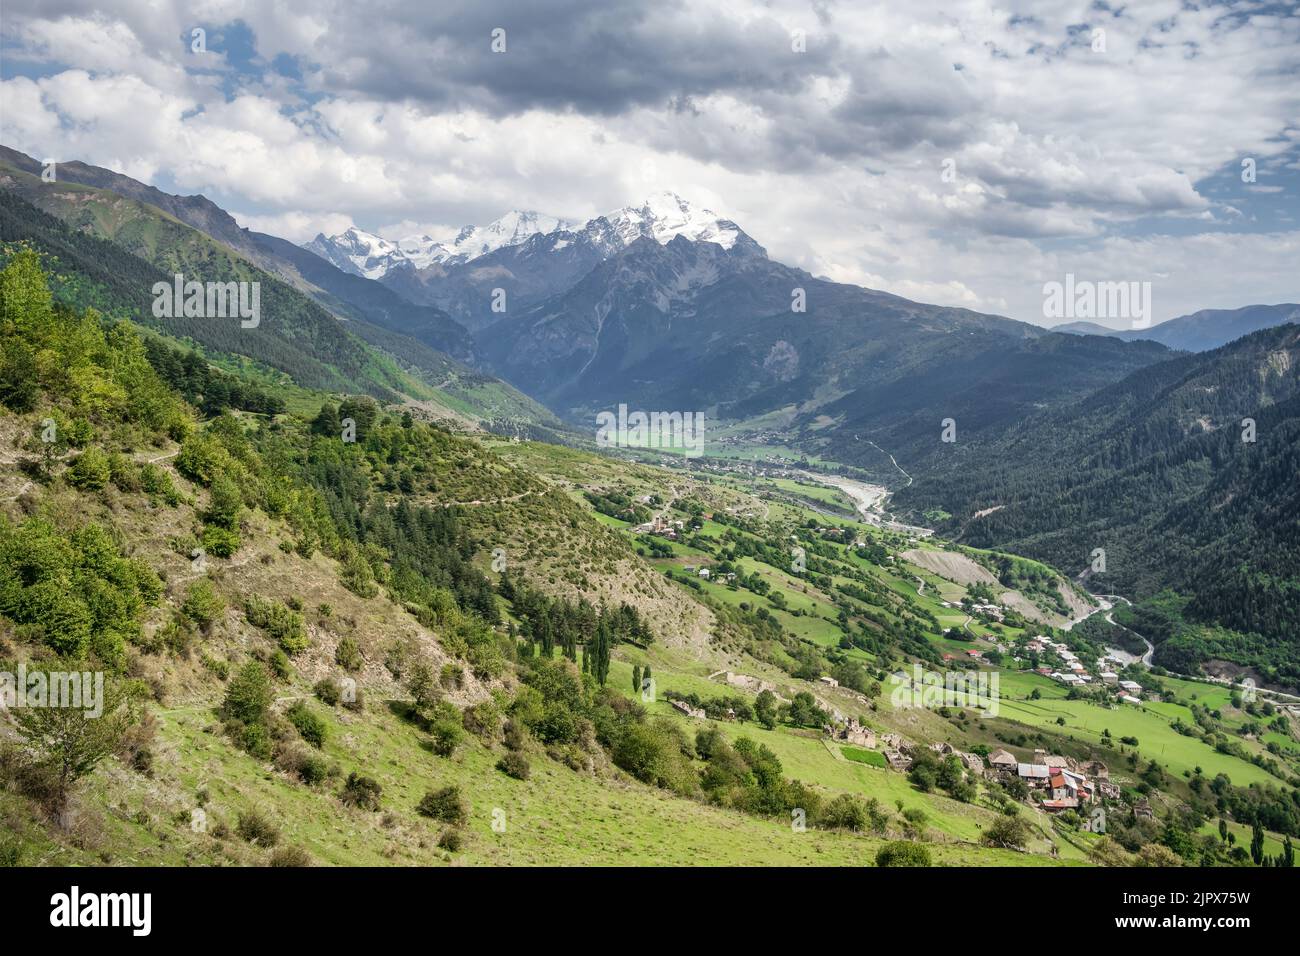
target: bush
257 829
903 853
451 840
347 654
290 856
308 723
1007 832
293 758
445 804
253 738
361 792
446 737
248 698
124 473
219 542
247 709
158 484
203 604
327 691
285 625
515 735
90 471
845 812
514 764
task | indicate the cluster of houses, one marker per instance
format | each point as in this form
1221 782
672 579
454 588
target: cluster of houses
1066 783
994 611
1075 673
972 762
894 747
661 526
708 573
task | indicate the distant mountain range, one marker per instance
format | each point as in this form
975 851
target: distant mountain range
325 328
1200 331
659 304
527 255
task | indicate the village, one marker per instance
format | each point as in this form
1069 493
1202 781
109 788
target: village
1052 781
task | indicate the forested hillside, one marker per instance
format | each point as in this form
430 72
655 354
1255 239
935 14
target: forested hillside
1165 474
298 340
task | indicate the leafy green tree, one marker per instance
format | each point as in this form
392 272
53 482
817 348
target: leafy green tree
1007 832
765 709
225 503
67 742
248 697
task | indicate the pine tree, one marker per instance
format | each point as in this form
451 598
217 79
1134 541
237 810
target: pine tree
1257 843
600 665
636 678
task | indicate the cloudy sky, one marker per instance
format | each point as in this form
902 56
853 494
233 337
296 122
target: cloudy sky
959 152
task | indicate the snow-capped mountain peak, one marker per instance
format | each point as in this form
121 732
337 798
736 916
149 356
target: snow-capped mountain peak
665 215
660 217
511 229
364 253
357 251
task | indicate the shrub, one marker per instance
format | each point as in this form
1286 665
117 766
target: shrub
445 804
845 812
220 542
515 735
347 654
248 698
203 604
247 709
257 829
1007 832
451 840
308 723
253 738
514 764
158 484
90 471
225 503
290 856
361 792
903 853
124 473
327 691
446 737
285 625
